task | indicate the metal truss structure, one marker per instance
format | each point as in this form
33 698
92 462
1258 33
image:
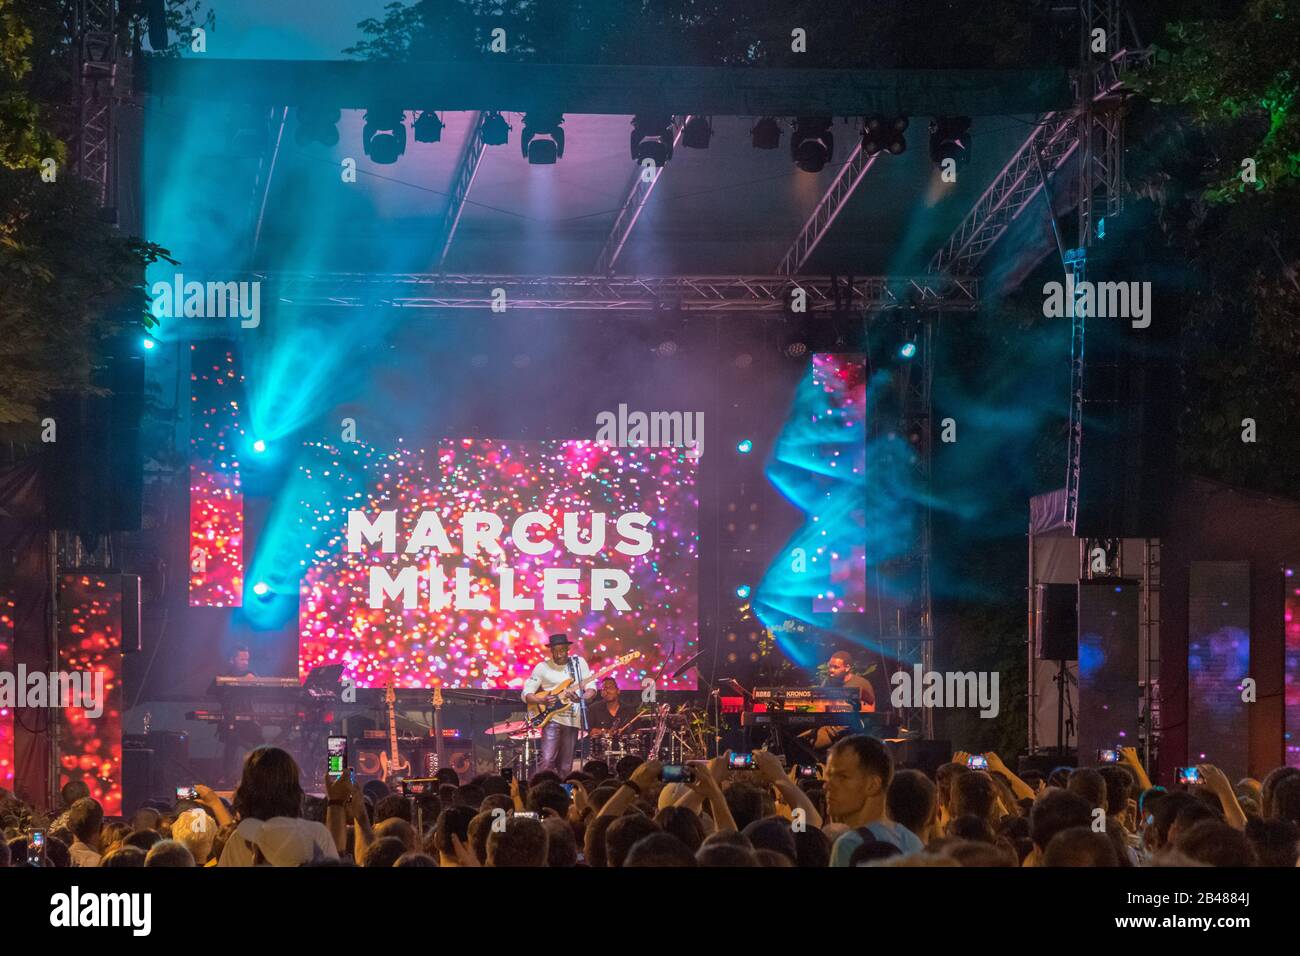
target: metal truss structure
466 170
1053 141
638 194
616 293
1100 194
827 210
93 149
1094 129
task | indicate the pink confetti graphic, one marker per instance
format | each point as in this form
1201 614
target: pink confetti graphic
216 502
6 713
90 640
494 648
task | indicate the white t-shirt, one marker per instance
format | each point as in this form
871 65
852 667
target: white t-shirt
547 674
285 841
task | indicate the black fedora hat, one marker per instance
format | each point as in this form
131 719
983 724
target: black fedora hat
555 640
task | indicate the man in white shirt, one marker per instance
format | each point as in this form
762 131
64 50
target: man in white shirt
560 735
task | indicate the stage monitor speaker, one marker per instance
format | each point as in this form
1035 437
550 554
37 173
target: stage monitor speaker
371 757
924 755
137 774
153 766
1058 622
1045 763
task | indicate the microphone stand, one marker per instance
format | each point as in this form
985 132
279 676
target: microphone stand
582 712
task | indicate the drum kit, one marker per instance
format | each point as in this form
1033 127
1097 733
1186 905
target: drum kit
662 733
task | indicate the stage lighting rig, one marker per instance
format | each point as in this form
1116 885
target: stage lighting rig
543 138
698 132
384 135
884 133
428 127
950 139
766 133
652 138
317 124
811 144
494 130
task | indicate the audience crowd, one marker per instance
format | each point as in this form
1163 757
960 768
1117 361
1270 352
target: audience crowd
858 811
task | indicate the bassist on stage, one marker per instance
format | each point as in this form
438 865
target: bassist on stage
560 735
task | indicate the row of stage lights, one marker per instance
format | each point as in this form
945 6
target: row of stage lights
812 142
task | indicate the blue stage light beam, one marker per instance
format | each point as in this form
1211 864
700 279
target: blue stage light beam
326 481
862 508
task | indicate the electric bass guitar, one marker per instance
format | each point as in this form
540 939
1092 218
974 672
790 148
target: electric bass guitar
436 700
539 715
395 762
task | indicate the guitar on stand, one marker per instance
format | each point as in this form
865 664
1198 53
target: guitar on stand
437 730
392 773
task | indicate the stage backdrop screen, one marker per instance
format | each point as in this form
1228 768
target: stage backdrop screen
1108 665
483 634
1218 660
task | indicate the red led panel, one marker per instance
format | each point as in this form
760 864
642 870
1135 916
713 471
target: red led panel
90 642
216 502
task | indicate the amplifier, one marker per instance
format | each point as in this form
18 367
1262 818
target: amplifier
416 757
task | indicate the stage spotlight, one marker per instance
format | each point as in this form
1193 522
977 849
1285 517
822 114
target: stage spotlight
766 134
907 350
494 129
149 344
744 446
743 592
317 124
950 139
384 135
542 142
652 138
427 127
259 446
261 588
697 133
811 144
883 133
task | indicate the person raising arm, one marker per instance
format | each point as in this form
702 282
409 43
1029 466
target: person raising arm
772 773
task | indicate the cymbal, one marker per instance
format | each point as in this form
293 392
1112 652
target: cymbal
527 733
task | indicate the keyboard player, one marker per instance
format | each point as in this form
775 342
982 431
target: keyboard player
237 736
839 673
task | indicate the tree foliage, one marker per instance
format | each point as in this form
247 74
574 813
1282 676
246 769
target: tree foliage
884 34
69 282
1239 74
1223 90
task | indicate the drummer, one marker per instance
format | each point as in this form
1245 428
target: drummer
608 713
